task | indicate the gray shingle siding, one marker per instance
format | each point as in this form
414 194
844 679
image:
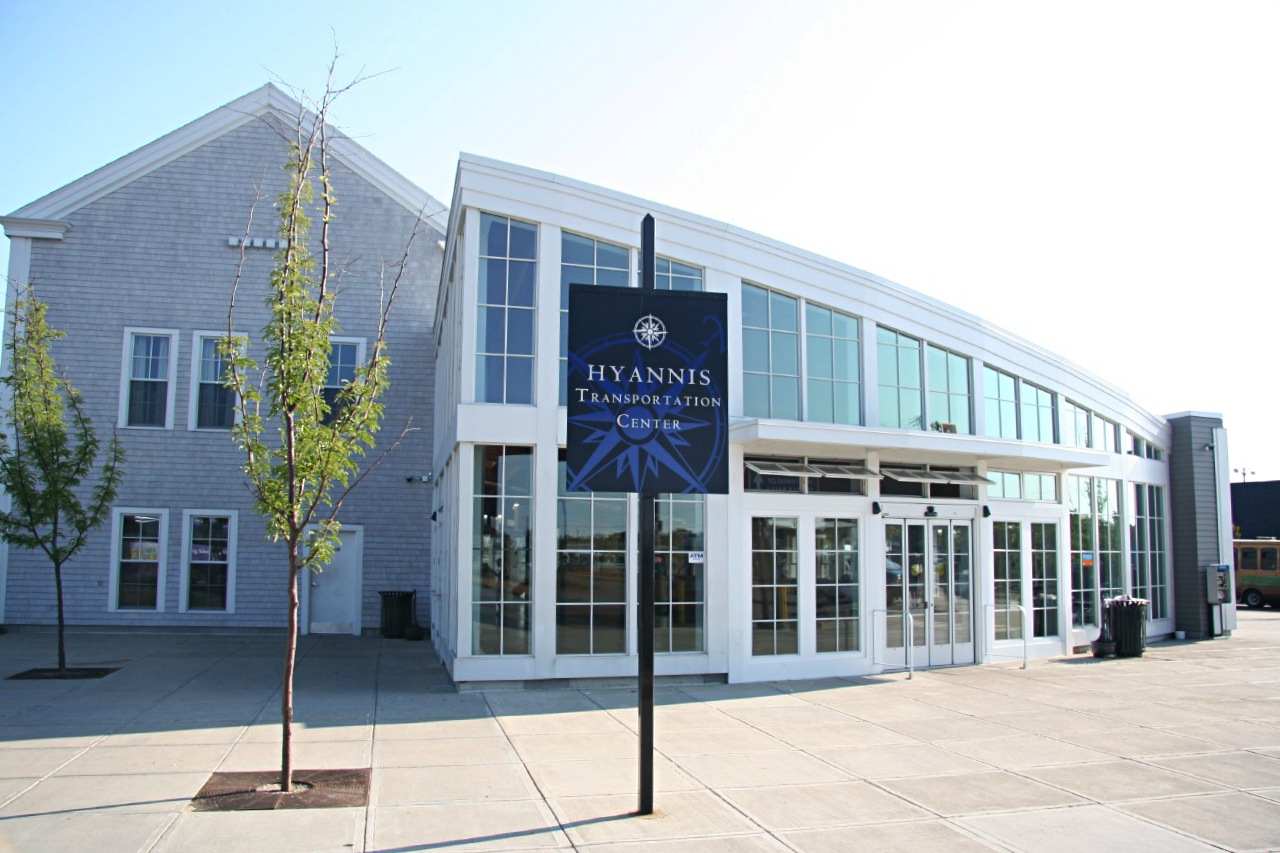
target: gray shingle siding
154 253
1193 505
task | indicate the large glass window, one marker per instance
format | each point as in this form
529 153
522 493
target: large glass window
901 383
1037 413
680 602
770 354
774 586
149 387
832 364
502 548
836 584
586 260
1106 434
673 275
1044 579
1007 554
1148 564
1075 425
1084 576
139 560
1110 538
214 402
209 547
1041 487
591 571
1000 392
506 302
344 356
948 391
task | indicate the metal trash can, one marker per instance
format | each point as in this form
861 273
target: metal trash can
1128 617
397 612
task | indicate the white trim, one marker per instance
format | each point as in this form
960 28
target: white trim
31 227
126 374
117 526
233 524
193 403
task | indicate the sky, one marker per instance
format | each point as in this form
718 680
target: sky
1101 178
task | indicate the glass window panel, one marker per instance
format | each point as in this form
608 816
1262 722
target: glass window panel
522 284
520 331
821 401
821 356
818 320
755 306
524 240
755 350
519 380
493 235
615 257
782 354
785 402
575 249
782 312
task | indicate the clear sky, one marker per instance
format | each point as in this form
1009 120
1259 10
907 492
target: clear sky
1102 178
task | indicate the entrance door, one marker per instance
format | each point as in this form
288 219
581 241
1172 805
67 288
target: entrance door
929 592
333 595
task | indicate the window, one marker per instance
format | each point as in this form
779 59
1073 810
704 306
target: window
836 584
502 543
770 354
585 260
1005 485
673 275
213 404
948 391
832 366
1075 425
1007 554
1000 393
209 560
1044 579
901 385
774 586
1147 560
591 571
1097 570
344 356
1106 434
137 581
147 395
508 277
920 482
1110 543
1037 413
1041 487
811 476
680 599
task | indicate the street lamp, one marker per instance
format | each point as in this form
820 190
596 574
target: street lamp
1244 473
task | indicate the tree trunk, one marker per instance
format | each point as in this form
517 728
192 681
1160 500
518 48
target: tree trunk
62 622
286 691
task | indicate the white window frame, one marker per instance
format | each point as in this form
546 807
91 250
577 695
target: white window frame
117 528
126 374
343 339
198 338
233 523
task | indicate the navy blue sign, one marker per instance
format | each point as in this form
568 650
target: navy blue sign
647 376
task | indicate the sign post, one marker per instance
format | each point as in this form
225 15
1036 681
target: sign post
647 413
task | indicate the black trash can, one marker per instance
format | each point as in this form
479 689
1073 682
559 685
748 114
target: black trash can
1128 618
397 612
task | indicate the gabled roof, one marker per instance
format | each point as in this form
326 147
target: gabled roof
268 100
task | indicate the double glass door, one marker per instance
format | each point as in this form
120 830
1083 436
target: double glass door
928 592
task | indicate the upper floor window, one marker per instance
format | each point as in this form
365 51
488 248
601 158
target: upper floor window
832 366
1037 413
214 404
948 391
673 275
901 380
1106 434
585 260
770 354
1075 425
344 356
506 309
148 378
1000 394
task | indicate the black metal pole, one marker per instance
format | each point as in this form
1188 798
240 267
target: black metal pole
648 507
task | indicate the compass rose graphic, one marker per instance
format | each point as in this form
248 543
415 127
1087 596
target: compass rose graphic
649 331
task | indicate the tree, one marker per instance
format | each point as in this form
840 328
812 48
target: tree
302 443
48 449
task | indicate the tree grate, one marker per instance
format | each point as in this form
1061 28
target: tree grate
313 789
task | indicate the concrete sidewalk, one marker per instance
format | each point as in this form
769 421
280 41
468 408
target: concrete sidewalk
1178 750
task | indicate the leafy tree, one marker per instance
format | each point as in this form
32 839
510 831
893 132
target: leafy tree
303 449
48 449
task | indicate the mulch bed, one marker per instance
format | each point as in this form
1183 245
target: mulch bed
68 674
313 789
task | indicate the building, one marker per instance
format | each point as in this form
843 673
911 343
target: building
909 484
136 262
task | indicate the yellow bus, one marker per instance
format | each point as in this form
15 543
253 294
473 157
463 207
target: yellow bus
1258 572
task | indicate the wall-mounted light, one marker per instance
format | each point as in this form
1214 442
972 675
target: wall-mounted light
419 478
435 514
875 507
930 512
986 511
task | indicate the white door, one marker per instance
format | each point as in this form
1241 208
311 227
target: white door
333 595
928 579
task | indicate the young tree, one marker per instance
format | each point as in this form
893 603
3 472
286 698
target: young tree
48 449
302 443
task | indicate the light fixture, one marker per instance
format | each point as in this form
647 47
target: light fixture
986 511
419 478
875 507
435 514
930 512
